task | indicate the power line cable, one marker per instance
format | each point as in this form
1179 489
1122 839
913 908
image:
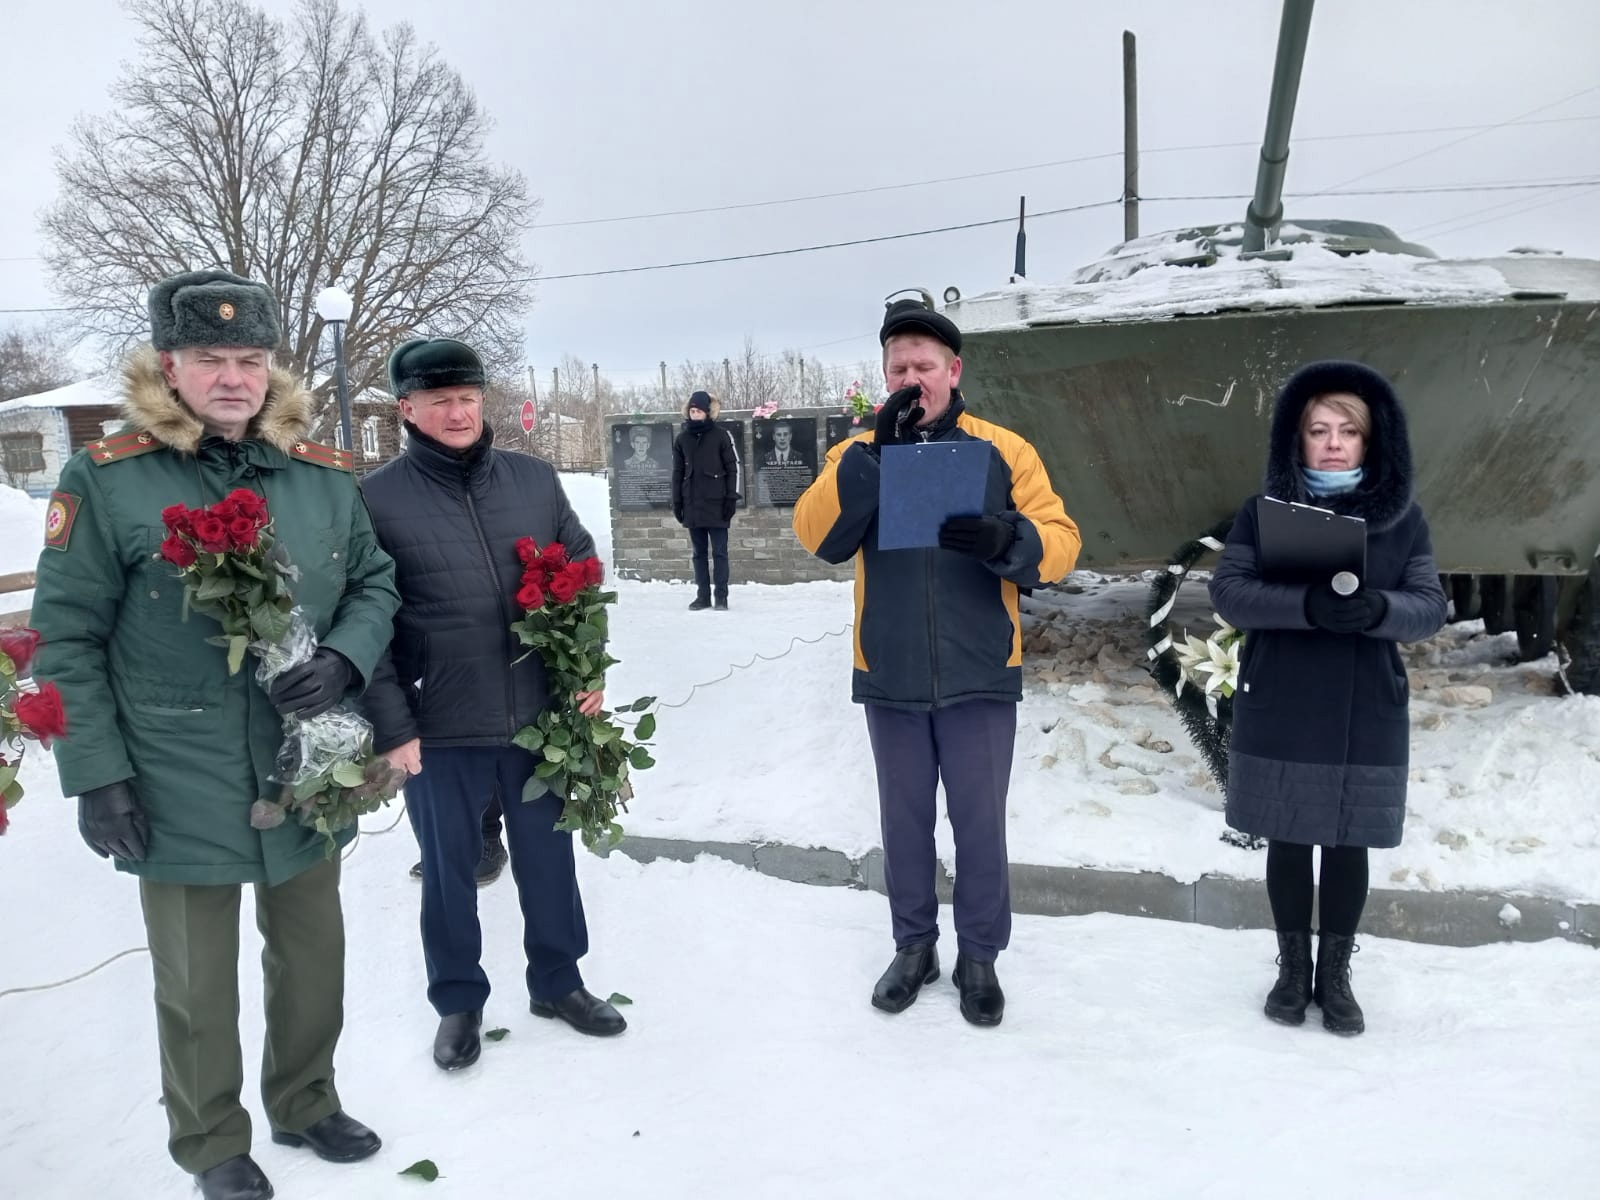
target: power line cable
1458 141
1529 207
1060 162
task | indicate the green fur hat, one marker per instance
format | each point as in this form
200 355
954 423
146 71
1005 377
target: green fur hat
426 363
213 308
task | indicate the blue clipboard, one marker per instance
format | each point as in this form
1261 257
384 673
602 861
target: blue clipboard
922 484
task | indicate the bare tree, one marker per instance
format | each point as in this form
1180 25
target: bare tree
32 361
298 156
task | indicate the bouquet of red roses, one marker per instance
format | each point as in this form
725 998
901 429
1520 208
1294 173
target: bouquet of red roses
234 570
35 714
586 760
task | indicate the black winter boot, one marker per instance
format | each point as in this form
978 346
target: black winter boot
982 1001
1286 1002
236 1179
1340 1012
699 603
900 985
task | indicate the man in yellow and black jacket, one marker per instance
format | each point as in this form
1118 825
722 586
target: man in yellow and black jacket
938 654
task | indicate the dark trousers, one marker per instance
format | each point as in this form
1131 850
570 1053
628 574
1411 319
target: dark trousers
194 948
1341 897
969 747
710 538
446 802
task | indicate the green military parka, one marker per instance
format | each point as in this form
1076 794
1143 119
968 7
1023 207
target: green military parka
147 698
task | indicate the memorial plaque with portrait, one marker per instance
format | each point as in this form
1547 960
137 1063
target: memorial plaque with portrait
839 428
736 432
641 463
785 459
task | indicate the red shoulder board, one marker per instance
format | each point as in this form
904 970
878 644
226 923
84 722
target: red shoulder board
323 455
122 445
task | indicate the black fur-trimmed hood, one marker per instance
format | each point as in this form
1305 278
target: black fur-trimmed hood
1385 494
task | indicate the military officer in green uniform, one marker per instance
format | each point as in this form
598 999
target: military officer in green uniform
167 751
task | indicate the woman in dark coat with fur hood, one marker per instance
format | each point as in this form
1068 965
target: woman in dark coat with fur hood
705 494
1321 733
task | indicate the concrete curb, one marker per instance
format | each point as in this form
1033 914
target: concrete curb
1455 918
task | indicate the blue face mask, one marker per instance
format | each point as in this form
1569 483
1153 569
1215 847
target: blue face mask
1331 483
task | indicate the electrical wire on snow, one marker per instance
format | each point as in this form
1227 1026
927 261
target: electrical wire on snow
797 640
60 983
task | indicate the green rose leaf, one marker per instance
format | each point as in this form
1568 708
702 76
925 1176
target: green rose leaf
618 998
423 1169
534 788
640 758
639 705
349 774
554 753
236 648
529 737
646 729
497 1035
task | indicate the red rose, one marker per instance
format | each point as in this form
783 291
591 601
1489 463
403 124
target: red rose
4 820
247 504
40 714
176 518
242 532
527 551
531 595
18 645
178 552
224 510
211 532
593 570
566 583
555 556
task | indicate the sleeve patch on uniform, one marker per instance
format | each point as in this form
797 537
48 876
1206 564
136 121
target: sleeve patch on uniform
59 518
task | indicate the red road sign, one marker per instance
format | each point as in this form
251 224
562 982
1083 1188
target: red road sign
527 416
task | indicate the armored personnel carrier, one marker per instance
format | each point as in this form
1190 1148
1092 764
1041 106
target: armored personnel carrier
1146 382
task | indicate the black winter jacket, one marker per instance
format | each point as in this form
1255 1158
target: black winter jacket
451 524
1321 734
705 475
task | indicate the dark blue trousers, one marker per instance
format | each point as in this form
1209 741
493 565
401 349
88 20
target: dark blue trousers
446 802
969 746
712 540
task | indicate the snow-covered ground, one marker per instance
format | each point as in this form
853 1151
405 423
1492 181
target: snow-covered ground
1133 1062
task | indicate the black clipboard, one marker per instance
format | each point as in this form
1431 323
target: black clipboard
1301 543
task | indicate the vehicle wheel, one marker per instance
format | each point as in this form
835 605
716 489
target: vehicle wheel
1494 604
1582 638
1534 604
1463 593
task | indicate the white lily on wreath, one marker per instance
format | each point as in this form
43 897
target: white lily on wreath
1211 665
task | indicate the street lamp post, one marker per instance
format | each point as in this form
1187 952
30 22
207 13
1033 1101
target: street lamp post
334 306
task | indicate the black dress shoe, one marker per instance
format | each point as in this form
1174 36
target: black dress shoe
912 967
982 1001
238 1178
337 1137
584 1012
457 1045
492 862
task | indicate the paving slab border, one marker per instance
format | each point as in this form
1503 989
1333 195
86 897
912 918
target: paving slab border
1450 918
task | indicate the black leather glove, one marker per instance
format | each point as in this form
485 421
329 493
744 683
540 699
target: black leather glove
313 687
677 515
1363 610
112 823
729 507
982 537
899 414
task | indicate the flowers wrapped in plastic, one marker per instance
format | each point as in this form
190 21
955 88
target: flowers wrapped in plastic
235 571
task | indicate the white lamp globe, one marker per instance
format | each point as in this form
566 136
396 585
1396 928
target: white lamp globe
334 304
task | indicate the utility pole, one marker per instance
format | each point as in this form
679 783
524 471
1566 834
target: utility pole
727 381
802 377
533 394
555 399
1130 137
1020 271
664 403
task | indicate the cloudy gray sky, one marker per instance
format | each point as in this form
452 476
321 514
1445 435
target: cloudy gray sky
619 107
